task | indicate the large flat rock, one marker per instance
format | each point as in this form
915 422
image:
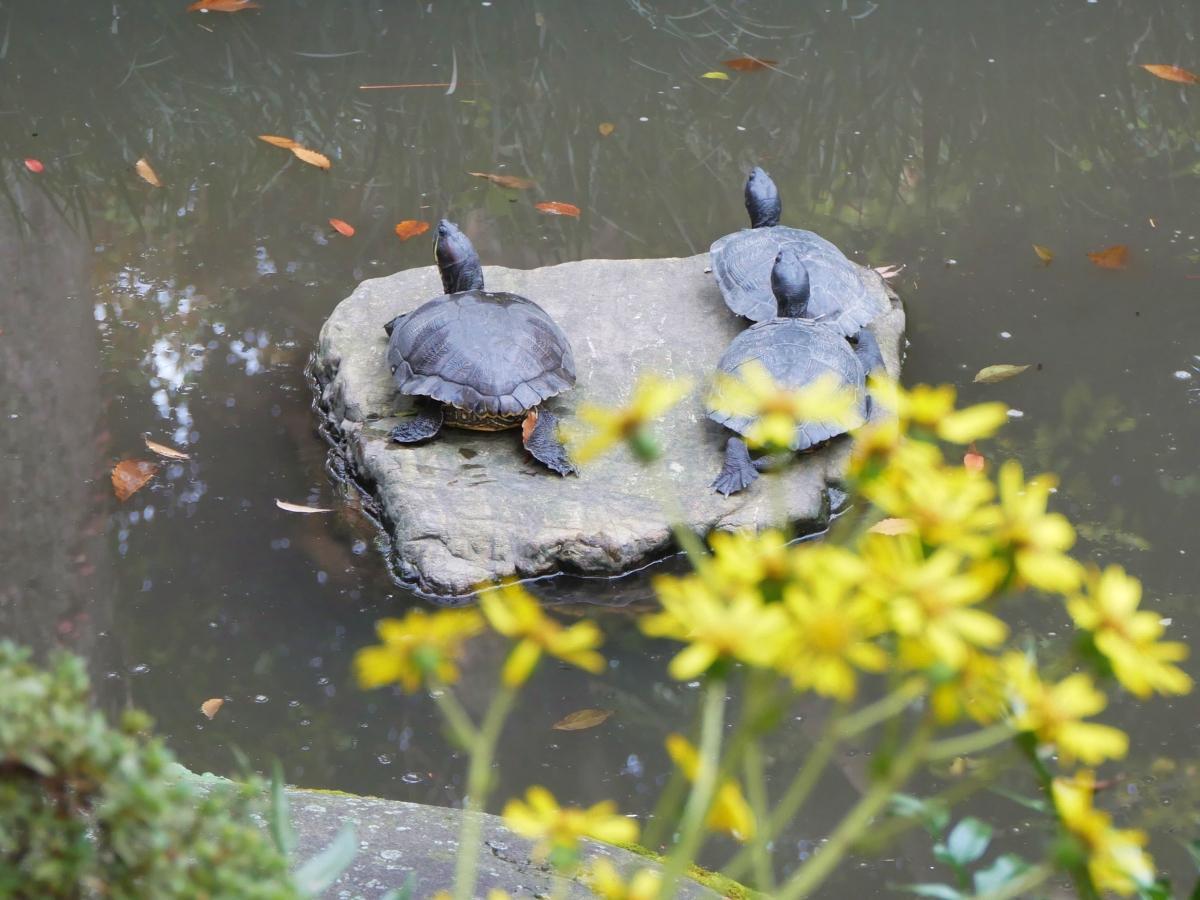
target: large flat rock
472 507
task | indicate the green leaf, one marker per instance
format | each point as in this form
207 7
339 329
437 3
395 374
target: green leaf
316 875
1159 890
716 76
938 891
1193 849
281 821
402 893
1033 803
968 841
999 873
932 814
992 374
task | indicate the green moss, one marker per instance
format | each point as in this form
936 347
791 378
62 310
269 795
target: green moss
715 881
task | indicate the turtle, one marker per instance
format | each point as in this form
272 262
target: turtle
795 351
845 295
480 360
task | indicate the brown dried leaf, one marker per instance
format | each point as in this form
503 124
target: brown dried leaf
165 451
1001 372
211 707
131 475
1045 254
1114 257
606 128
312 157
582 718
515 182
892 527
555 208
411 228
225 6
297 508
749 64
276 141
147 174
342 228
1173 73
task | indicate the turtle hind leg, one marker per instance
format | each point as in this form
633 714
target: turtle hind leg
539 434
421 427
739 470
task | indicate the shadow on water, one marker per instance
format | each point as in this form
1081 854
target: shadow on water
947 136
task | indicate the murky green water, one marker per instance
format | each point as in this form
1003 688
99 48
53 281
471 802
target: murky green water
949 137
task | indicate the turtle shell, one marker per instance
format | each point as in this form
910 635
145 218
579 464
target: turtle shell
483 352
844 294
796 352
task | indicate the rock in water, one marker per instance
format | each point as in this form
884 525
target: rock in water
472 507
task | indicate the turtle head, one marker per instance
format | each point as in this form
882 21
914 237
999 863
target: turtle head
789 284
762 199
457 260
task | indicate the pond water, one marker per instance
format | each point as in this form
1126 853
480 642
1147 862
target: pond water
948 137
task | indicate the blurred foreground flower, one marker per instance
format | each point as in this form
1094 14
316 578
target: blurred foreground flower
1115 858
513 612
557 829
609 426
1037 540
729 812
932 409
780 410
606 882
419 646
1129 637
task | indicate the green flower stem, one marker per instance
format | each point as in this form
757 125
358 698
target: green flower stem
809 876
669 800
456 717
1022 885
756 790
972 742
479 775
881 710
704 788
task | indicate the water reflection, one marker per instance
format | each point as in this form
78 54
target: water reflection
947 136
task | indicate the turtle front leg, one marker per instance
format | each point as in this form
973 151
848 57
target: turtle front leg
421 427
740 470
539 434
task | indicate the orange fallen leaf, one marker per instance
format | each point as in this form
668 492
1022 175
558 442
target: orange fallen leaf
606 128
312 157
582 718
276 141
1045 254
147 173
1173 73
893 527
555 208
516 182
298 508
131 475
410 228
34 165
210 707
749 64
1115 257
343 228
165 451
226 6
973 460
528 424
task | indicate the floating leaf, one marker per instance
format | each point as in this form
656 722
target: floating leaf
893 526
516 182
1114 257
297 508
887 273
1001 372
716 76
226 6
1173 73
1045 254
555 208
131 475
312 157
34 165
165 451
606 128
146 172
974 460
343 228
411 228
748 64
582 718
276 141
210 707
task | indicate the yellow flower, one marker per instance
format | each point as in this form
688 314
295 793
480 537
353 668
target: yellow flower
755 560
1116 860
729 812
778 410
714 625
932 408
419 646
652 397
1037 540
1129 637
1053 712
977 690
832 624
559 828
606 882
513 612
931 601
